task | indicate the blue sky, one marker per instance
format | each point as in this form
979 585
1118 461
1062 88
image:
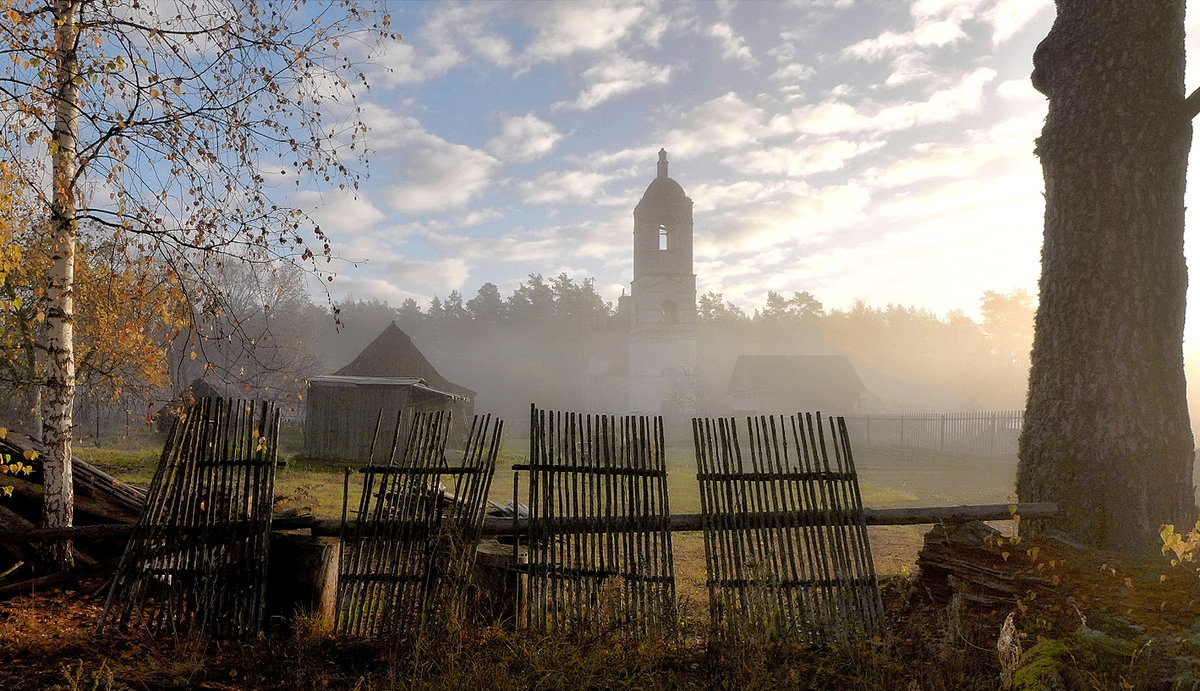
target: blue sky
869 150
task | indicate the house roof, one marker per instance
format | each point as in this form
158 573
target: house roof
393 354
794 373
335 380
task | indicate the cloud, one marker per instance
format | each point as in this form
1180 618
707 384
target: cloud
724 122
398 279
1012 193
733 47
784 215
1019 90
936 24
523 138
614 76
562 28
1009 142
1008 17
801 159
338 211
832 117
432 174
795 72
556 187
934 34
711 196
404 65
435 177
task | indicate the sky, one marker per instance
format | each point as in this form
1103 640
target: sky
872 150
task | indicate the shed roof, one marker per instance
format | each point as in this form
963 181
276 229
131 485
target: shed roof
394 355
335 380
794 373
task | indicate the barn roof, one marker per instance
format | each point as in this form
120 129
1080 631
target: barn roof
794 373
336 381
393 354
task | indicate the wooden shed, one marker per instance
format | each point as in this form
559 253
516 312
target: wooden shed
388 375
764 384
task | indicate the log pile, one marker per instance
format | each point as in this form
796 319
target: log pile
99 499
977 563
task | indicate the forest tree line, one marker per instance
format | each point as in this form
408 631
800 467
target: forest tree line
266 335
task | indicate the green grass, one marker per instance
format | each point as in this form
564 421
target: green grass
683 492
135 466
890 477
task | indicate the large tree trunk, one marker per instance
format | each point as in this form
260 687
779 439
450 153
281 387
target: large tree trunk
59 397
1107 434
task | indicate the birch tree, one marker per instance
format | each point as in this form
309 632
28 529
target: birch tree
174 125
1107 434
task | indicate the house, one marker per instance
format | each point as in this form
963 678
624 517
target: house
389 375
770 384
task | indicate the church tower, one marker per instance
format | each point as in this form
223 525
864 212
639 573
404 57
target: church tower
662 352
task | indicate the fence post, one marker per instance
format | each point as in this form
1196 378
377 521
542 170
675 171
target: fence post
992 437
942 434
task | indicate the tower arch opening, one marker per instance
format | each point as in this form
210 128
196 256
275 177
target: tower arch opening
670 312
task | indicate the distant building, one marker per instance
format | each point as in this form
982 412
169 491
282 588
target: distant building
388 375
766 384
661 306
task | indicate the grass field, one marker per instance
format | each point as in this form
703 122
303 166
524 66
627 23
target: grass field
889 478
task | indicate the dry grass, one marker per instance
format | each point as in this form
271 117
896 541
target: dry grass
1102 623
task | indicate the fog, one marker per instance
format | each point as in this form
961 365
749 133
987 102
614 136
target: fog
908 359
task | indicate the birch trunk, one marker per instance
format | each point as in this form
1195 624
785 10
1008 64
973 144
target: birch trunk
59 395
1107 434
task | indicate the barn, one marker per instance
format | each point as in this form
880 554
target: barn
767 384
389 375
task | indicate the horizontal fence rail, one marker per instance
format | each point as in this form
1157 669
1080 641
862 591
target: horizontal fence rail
495 526
986 434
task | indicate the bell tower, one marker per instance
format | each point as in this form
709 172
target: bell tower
662 353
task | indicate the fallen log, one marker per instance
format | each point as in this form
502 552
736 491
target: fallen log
501 526
106 530
494 526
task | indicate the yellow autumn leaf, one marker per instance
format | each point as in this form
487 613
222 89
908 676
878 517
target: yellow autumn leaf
30 455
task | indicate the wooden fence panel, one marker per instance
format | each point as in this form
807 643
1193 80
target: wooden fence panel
599 544
196 560
786 546
404 561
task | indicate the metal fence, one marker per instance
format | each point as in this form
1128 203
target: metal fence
986 434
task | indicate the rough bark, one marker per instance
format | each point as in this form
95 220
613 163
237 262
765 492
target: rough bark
59 396
1107 434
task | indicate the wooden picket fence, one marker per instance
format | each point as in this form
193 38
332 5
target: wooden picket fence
196 561
404 561
598 543
787 551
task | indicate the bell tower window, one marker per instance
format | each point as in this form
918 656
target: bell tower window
663 238
670 313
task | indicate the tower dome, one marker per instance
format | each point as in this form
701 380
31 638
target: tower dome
663 188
